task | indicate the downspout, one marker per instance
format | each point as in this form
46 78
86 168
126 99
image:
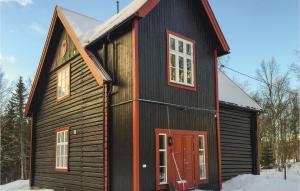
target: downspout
106 135
114 57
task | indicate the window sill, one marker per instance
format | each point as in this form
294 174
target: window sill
180 86
61 170
203 181
64 98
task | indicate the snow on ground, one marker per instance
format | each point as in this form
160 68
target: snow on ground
19 185
269 180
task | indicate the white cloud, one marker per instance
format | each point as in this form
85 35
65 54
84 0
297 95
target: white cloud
7 59
38 28
23 3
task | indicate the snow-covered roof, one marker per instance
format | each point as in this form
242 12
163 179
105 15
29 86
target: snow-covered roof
88 29
230 92
117 19
83 26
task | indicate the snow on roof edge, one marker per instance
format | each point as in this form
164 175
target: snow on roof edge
230 92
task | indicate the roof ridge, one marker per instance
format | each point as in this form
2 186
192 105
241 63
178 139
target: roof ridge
83 15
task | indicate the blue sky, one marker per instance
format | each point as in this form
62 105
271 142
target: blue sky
256 30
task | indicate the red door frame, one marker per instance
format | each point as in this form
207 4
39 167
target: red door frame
170 159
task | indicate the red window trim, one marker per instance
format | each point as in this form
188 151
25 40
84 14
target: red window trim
62 170
191 88
182 132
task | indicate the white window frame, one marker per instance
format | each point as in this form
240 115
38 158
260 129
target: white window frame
185 56
166 155
62 157
63 82
204 157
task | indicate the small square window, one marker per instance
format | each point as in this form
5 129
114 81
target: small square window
63 82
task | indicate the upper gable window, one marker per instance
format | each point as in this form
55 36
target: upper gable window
63 82
181 61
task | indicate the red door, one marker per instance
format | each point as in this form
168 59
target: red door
188 161
181 162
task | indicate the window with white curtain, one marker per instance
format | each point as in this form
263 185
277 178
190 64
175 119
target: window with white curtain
63 82
181 60
62 148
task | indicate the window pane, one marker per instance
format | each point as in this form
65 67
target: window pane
172 43
162 158
189 77
201 142
188 64
163 174
172 60
188 49
162 142
180 46
180 62
66 136
62 137
65 161
181 75
173 74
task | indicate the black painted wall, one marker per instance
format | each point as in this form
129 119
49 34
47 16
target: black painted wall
116 56
186 18
83 112
238 141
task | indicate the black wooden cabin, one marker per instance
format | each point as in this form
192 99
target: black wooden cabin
133 103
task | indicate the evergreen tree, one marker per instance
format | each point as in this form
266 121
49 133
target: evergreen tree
267 158
9 145
18 98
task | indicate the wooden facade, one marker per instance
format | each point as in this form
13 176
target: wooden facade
187 19
113 125
82 112
238 141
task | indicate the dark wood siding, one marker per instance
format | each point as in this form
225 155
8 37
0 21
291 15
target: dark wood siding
237 141
83 112
185 18
120 106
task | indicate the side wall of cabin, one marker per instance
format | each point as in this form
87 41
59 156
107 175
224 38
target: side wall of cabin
238 141
116 55
186 18
82 112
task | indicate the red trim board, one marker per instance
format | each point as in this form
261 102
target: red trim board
135 127
218 118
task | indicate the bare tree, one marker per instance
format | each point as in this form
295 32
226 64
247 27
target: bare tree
276 96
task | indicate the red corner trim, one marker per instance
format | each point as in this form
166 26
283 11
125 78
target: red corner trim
135 128
215 25
191 88
147 7
218 118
